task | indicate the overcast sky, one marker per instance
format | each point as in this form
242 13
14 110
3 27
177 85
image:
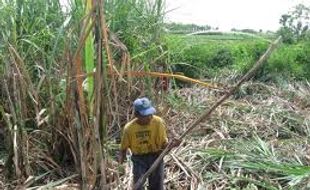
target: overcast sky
228 14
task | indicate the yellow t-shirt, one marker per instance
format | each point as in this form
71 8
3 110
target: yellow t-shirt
143 139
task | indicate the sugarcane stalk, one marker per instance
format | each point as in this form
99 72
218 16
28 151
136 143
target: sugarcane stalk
81 149
172 75
89 52
104 32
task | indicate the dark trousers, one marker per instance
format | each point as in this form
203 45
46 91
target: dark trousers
141 163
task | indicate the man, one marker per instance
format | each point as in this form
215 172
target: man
146 137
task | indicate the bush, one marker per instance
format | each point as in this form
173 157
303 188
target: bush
223 57
303 59
291 61
246 54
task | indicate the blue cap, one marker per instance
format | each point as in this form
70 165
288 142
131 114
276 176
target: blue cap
144 106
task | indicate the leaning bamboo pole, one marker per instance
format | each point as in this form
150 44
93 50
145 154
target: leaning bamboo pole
207 114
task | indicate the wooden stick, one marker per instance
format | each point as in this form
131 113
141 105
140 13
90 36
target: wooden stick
206 115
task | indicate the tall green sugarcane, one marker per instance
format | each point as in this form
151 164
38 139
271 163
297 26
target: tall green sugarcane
89 54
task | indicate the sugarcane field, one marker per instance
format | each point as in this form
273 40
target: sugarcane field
154 94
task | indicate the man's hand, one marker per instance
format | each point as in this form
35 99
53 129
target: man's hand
122 156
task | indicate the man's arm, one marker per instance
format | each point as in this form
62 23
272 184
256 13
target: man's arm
123 146
122 156
174 143
164 138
